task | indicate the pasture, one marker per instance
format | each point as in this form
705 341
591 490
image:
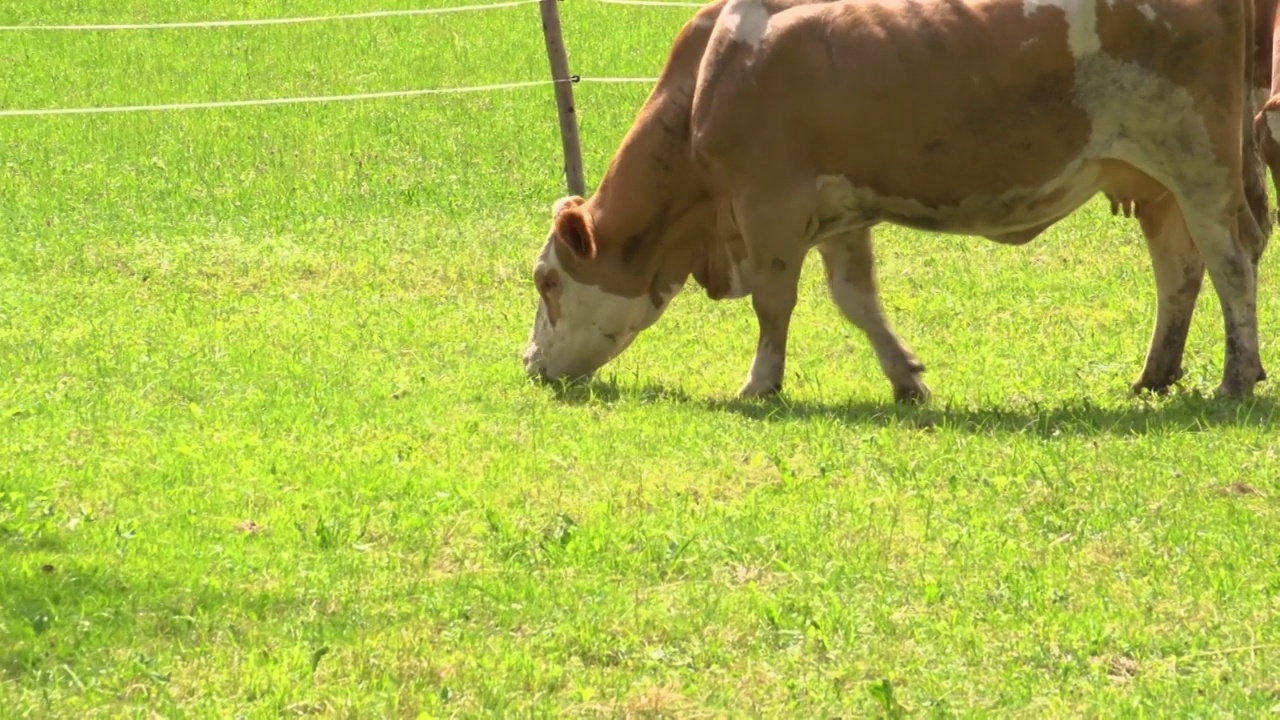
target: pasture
266 447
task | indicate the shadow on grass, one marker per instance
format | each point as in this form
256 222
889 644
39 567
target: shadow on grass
594 392
1177 413
1185 411
600 392
66 620
34 608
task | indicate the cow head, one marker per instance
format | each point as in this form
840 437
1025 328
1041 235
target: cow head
594 297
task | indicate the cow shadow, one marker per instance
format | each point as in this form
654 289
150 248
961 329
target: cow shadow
51 611
593 392
1177 412
609 392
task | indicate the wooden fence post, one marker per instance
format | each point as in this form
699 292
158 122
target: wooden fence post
564 97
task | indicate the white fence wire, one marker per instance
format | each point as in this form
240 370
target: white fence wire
258 22
653 3
315 99
38 112
272 21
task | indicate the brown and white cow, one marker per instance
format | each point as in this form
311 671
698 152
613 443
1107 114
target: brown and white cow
778 126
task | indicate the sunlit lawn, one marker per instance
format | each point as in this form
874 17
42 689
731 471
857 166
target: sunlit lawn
266 446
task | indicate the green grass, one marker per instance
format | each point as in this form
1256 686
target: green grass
266 447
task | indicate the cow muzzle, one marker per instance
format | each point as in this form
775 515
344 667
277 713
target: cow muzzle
540 371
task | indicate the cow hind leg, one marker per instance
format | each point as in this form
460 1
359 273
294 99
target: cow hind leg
1247 223
1179 272
850 269
1229 259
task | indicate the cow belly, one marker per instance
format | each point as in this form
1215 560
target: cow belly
1014 217
1021 237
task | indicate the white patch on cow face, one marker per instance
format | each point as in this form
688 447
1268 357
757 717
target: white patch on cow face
1082 23
746 20
1148 11
592 328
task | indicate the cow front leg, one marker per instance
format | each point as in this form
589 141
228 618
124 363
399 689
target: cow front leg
773 223
1179 273
851 277
774 300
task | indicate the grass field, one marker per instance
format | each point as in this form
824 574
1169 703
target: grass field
266 447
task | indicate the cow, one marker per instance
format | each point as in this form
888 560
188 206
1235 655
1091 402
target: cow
779 126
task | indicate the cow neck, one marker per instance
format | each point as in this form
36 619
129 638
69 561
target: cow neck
642 202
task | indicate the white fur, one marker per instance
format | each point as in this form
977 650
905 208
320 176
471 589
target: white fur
766 367
746 20
843 207
594 325
1082 23
669 294
1121 99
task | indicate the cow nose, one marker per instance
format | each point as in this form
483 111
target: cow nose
533 367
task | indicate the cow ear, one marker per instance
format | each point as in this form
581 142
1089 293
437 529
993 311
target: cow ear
565 203
572 230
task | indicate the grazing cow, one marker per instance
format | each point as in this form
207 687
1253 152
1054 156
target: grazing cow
778 126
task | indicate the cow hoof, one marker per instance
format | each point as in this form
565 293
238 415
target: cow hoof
1142 387
914 394
757 389
1157 385
1234 390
